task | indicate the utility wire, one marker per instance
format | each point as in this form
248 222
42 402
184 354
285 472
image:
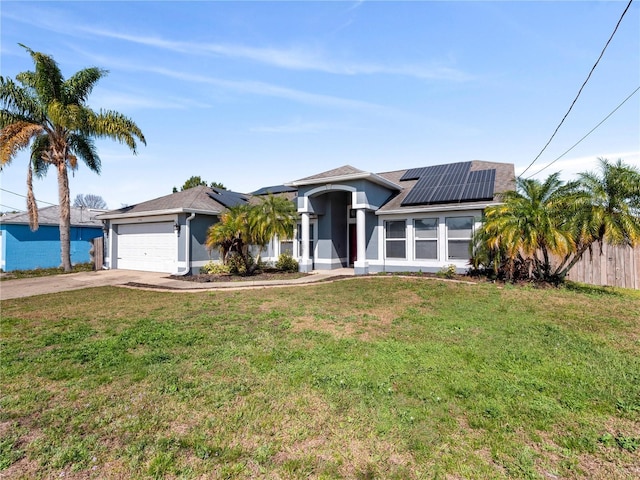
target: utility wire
579 91
24 196
590 132
12 208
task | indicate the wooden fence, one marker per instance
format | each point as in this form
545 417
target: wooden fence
97 253
616 267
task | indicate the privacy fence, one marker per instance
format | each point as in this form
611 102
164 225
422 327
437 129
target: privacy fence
616 267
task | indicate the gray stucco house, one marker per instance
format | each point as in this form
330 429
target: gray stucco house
403 220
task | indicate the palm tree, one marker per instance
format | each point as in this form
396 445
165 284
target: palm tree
608 210
530 225
45 110
231 234
273 216
245 225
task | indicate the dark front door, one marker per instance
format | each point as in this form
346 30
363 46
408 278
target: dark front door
353 244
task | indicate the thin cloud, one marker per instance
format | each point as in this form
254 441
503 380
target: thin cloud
289 58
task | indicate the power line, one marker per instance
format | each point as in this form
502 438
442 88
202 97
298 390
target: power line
581 88
589 133
24 196
10 207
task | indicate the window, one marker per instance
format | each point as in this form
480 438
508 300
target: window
459 232
286 246
396 232
426 238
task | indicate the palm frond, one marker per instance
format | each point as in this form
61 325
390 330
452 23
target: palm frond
14 137
79 86
85 149
47 80
116 126
32 206
18 103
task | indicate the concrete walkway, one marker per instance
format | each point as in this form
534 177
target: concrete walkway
27 287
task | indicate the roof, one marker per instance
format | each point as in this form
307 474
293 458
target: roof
419 184
342 174
275 189
200 199
80 217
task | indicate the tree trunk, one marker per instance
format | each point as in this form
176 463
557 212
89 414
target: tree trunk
65 215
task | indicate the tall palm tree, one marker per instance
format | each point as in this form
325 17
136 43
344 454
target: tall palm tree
607 210
43 109
531 224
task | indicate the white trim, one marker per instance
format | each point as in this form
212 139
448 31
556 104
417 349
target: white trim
152 213
437 208
159 218
344 178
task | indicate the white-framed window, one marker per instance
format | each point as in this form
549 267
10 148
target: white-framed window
459 233
286 246
426 238
395 239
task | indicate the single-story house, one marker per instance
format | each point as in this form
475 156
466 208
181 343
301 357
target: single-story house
22 249
404 220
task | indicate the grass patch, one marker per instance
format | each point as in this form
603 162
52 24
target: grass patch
45 272
381 377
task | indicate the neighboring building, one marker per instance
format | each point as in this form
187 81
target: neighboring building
405 220
22 249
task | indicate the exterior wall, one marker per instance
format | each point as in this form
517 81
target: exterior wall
371 228
199 254
410 263
27 250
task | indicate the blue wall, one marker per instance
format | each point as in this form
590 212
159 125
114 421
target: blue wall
26 250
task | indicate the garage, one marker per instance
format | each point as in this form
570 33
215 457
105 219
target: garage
150 247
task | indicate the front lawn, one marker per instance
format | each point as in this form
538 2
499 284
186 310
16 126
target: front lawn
363 378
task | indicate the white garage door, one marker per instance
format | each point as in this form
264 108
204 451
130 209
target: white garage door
151 247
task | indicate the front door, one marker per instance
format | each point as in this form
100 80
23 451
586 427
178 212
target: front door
353 244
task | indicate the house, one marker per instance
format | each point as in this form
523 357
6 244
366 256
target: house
404 220
22 249
166 234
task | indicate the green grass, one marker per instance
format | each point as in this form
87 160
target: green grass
365 378
45 272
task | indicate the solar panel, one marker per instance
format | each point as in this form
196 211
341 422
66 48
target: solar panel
227 198
479 185
275 189
449 183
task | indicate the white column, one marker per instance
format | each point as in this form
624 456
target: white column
361 266
306 265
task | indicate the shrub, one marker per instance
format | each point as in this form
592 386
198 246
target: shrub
239 266
287 263
447 272
214 268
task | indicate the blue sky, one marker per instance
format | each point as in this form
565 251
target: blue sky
253 94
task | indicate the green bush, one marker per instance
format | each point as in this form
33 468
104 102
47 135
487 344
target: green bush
287 263
238 266
447 272
214 268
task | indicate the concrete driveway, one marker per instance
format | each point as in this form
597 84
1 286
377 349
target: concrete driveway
27 287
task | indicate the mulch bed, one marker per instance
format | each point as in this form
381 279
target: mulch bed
207 278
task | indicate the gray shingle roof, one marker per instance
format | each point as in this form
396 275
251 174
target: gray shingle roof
80 217
199 199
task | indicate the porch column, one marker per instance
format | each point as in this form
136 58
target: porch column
306 265
361 266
